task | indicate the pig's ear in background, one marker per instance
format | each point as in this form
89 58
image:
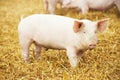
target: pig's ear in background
78 26
102 25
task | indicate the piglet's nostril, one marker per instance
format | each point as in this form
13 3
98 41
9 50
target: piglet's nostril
92 45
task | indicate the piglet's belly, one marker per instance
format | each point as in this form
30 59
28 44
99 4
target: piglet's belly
50 44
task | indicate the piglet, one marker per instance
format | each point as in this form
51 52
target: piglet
59 32
85 5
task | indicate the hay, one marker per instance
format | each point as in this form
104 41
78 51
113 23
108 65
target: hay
102 63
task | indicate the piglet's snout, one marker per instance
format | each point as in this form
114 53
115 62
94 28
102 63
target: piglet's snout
92 46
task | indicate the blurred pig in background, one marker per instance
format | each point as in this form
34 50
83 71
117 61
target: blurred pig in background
85 5
50 5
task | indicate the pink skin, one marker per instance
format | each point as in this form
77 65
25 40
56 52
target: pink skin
85 5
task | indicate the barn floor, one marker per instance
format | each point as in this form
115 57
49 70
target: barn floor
102 63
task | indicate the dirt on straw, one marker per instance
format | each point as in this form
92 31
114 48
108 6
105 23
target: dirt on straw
102 63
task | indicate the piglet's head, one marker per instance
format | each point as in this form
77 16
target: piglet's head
87 31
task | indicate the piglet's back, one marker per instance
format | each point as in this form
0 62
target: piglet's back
46 21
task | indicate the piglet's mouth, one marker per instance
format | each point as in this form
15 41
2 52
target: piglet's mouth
92 46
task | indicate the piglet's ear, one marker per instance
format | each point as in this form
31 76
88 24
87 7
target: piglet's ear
102 25
78 26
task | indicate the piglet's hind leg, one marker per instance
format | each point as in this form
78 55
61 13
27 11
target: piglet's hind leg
37 50
25 44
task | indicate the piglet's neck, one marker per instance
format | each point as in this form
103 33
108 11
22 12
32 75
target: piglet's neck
79 43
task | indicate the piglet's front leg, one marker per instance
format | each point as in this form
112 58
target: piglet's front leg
72 55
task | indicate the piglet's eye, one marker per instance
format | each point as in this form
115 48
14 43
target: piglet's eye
95 32
84 32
